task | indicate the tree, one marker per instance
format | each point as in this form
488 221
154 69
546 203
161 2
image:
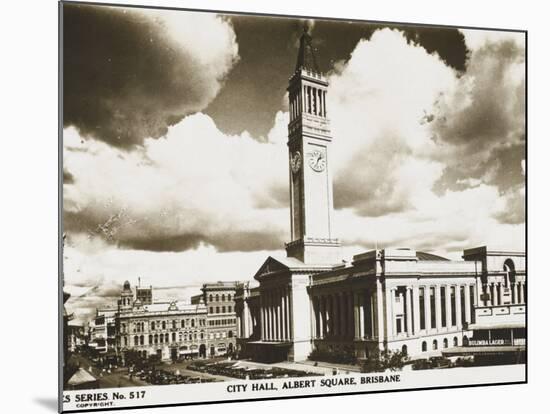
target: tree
385 360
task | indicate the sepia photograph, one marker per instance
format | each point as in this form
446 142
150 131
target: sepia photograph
268 206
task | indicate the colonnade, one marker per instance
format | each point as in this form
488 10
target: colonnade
276 313
392 312
496 293
246 321
349 314
446 307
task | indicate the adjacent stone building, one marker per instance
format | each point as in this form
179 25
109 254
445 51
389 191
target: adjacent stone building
102 332
169 330
219 299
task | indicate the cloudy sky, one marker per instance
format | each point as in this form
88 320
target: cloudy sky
174 143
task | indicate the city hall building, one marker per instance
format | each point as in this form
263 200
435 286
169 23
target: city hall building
394 299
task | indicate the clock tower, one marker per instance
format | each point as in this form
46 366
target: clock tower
309 141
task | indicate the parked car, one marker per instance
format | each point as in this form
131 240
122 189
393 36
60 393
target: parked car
440 362
421 364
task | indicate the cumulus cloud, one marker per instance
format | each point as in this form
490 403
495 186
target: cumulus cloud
376 107
399 180
130 74
480 120
196 185
96 270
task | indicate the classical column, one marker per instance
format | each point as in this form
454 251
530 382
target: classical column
262 315
380 310
458 301
493 294
467 304
272 307
274 313
403 319
427 308
351 317
322 321
521 292
416 307
328 330
330 326
315 104
356 316
318 316
333 304
280 299
367 313
267 316
280 317
438 315
479 290
318 97
271 317
278 324
393 318
408 310
283 314
289 311
448 310
313 306
312 321
389 311
361 314
245 322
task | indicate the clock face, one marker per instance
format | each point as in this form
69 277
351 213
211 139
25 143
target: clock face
296 162
317 160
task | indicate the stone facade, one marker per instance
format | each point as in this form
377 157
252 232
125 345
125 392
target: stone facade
102 331
169 330
219 299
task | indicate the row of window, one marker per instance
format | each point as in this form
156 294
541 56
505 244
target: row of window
222 322
162 325
216 298
219 335
165 338
435 344
162 338
217 309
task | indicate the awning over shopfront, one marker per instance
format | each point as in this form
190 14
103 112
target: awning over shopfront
510 325
482 350
271 344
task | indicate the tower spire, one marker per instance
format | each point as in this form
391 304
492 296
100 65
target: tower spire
306 53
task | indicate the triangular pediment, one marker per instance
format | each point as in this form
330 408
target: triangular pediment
288 264
271 265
